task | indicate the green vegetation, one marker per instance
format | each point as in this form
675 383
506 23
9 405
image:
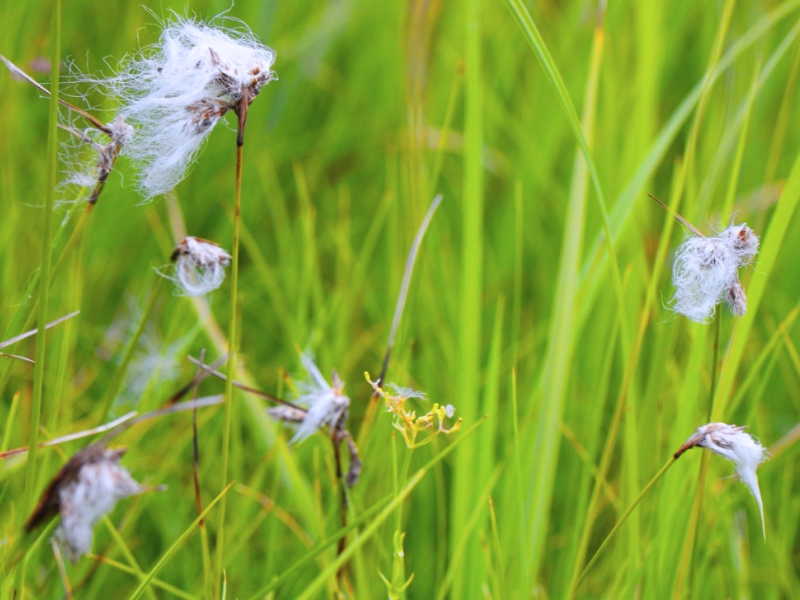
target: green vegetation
539 300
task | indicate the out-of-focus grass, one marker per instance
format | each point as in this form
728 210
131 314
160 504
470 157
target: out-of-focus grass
378 107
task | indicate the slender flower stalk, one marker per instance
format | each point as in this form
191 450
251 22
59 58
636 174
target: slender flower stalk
44 282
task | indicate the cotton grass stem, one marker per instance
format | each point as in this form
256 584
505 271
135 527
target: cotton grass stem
232 334
623 518
715 363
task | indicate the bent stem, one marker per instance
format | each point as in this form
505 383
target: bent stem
623 519
369 415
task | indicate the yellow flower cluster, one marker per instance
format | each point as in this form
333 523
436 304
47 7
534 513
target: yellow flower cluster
407 422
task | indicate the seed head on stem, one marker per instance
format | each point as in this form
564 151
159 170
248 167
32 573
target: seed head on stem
739 447
178 89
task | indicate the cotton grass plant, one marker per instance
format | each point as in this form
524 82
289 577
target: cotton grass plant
536 302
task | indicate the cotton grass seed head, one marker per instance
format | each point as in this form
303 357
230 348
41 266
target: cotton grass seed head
199 266
706 272
324 404
83 491
739 447
177 90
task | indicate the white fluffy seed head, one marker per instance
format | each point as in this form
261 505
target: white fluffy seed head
325 404
703 271
739 447
84 500
199 266
177 90
706 272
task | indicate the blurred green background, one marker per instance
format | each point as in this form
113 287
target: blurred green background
519 309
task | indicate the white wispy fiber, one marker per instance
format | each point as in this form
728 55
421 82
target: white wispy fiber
706 272
84 499
325 404
89 156
177 90
199 266
742 449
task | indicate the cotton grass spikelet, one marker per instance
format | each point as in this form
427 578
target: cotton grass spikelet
84 169
90 170
325 404
84 490
177 90
742 449
199 266
706 272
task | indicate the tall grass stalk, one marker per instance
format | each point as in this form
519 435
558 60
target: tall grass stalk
232 334
44 285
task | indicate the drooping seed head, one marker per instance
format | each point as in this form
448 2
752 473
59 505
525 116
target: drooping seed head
199 266
86 488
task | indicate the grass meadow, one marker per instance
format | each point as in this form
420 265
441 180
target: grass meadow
538 307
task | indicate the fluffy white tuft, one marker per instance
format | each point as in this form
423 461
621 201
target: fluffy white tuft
89 155
739 447
706 272
177 90
325 404
90 495
406 392
199 266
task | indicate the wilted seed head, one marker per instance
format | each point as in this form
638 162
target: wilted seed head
199 266
204 114
325 404
177 90
706 272
736 299
86 488
742 449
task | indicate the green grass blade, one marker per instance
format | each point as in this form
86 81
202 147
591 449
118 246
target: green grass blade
176 545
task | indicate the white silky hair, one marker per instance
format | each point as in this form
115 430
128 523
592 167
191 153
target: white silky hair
199 267
88 152
740 448
178 89
705 272
83 502
325 404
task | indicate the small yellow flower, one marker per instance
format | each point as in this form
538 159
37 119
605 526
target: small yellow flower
407 422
